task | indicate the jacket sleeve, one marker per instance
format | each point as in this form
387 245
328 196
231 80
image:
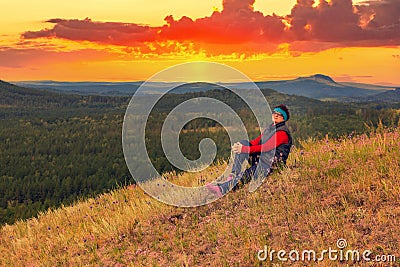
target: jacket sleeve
256 141
279 138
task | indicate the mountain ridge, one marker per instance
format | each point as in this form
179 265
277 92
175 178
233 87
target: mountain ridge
321 87
318 77
317 86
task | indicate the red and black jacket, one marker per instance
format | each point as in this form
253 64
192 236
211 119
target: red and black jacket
276 137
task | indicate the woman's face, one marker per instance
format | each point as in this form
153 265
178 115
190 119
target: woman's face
277 117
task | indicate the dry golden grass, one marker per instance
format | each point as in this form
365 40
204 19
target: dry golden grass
332 189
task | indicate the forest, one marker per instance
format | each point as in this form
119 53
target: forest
57 149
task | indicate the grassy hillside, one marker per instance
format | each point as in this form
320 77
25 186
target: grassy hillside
332 189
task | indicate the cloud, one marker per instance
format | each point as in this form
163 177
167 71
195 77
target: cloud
240 28
236 23
100 32
380 19
342 22
351 78
329 22
23 57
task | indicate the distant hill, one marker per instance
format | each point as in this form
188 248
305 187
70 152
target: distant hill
320 87
12 90
368 86
317 86
12 95
115 88
392 96
32 100
85 88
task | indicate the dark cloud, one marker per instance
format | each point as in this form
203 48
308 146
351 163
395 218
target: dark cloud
331 22
100 32
380 19
341 21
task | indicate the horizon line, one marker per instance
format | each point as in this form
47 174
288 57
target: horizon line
288 78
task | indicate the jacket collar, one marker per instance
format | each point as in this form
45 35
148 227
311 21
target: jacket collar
277 125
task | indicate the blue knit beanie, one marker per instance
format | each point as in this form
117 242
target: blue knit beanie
281 111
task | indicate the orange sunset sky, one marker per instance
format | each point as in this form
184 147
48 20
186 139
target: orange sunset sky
129 40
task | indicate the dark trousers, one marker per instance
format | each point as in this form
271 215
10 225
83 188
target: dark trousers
264 167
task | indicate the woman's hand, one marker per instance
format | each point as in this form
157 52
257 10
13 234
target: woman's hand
237 148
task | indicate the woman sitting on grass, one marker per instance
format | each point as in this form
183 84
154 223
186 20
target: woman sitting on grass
276 137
